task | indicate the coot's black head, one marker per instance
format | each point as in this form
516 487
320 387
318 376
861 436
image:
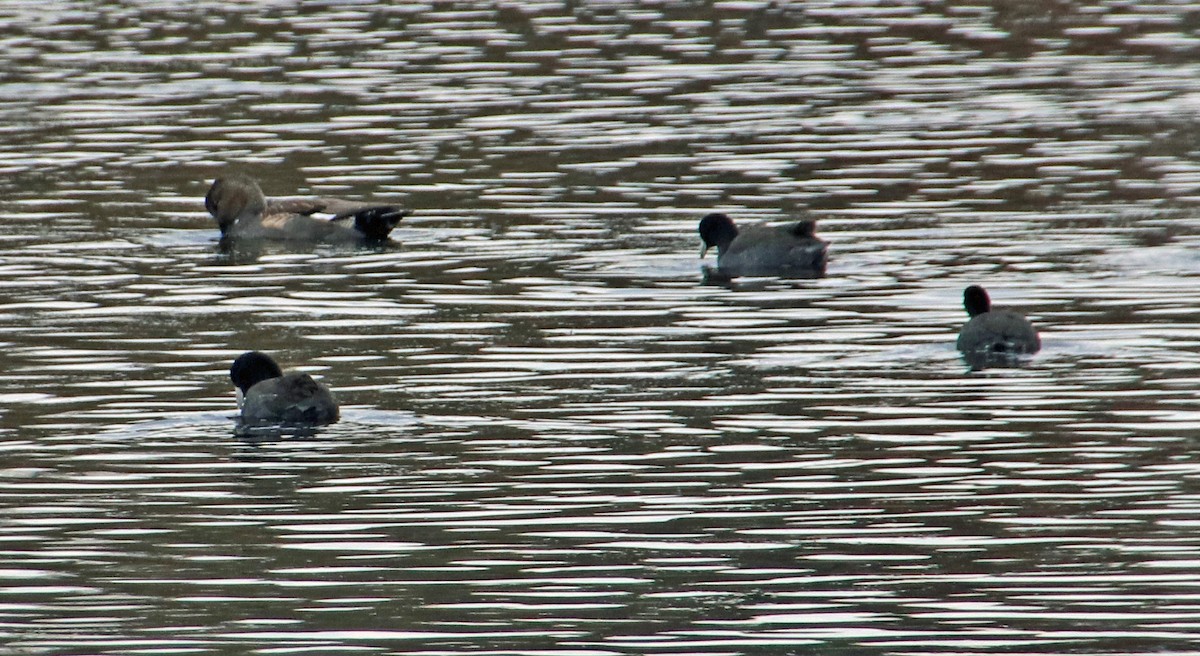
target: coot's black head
976 300
716 230
251 368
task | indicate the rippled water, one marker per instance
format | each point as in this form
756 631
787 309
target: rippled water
558 439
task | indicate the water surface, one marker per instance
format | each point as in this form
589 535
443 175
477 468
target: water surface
557 438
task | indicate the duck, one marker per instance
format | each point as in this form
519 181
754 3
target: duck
268 395
995 333
763 250
242 212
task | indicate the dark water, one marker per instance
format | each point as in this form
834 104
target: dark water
557 439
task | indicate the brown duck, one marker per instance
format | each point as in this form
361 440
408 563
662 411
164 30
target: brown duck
242 212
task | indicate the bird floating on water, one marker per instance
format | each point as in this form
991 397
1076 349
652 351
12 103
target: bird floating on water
242 212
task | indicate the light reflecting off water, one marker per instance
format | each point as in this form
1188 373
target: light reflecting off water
558 437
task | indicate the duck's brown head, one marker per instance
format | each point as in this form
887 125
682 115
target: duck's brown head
233 197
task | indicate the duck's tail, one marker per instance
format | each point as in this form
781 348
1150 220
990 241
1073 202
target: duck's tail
377 222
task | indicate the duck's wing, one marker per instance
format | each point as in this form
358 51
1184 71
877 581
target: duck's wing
340 208
373 220
296 205
345 209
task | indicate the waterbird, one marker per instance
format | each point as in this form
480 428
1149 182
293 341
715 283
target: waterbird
764 250
994 333
268 395
242 212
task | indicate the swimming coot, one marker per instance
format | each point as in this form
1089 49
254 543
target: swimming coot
268 395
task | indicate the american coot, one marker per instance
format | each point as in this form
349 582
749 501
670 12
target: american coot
242 212
764 250
993 332
267 395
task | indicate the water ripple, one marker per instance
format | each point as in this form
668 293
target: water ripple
558 436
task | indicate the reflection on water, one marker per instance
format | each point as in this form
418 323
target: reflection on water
556 438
